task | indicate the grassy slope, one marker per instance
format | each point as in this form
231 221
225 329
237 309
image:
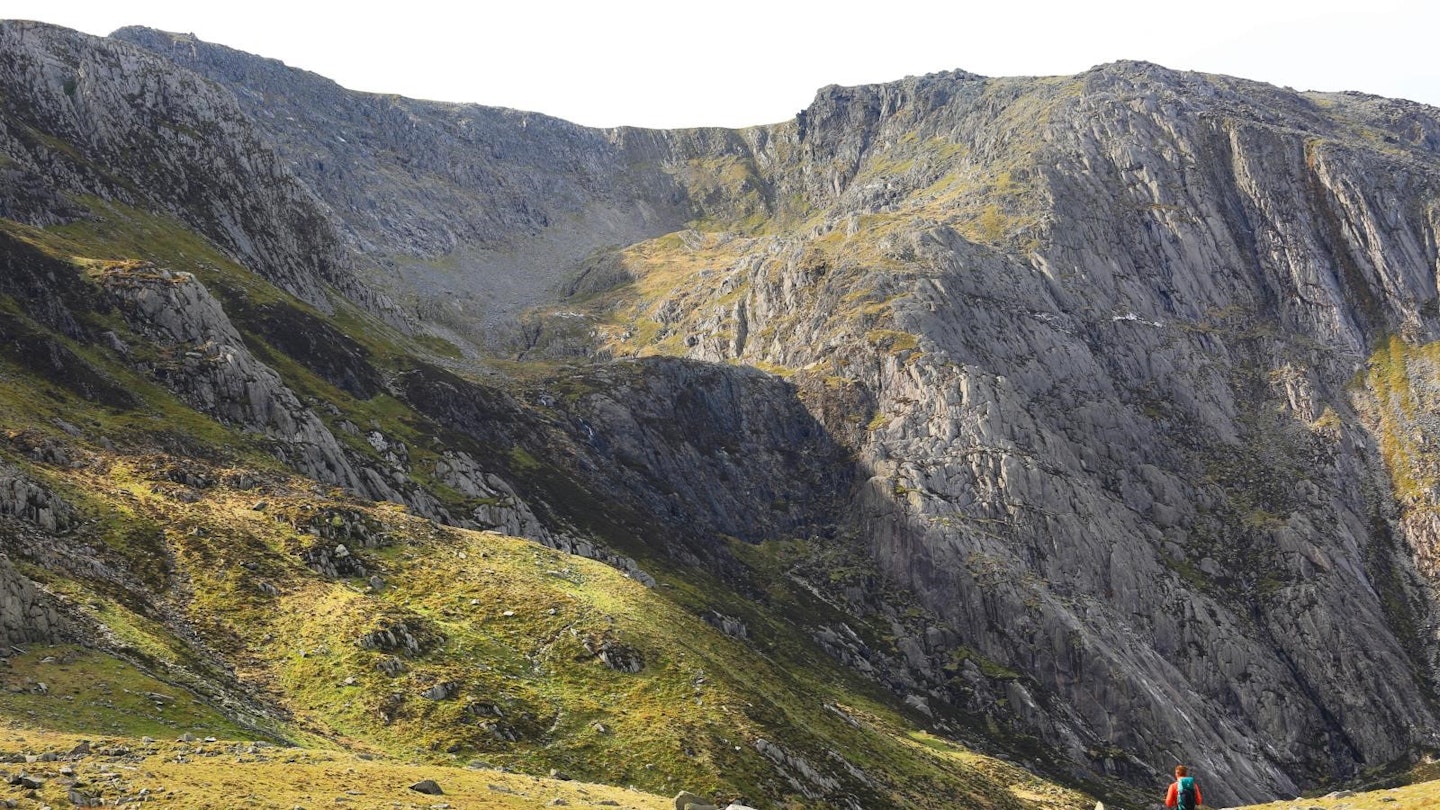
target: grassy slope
217 586
504 622
1424 794
239 773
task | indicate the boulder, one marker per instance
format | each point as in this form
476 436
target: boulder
442 691
685 800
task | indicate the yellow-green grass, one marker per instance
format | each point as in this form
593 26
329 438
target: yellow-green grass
236 772
1397 407
1408 797
506 621
68 688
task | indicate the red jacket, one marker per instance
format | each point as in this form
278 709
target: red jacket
1173 797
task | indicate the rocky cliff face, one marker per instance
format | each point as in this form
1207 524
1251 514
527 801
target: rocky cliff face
116 123
1110 392
1119 443
483 210
1110 325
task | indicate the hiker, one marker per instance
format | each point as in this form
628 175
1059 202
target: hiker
1184 792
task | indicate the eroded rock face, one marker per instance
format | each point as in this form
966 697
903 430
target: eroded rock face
720 450
513 199
206 362
1126 463
213 370
23 498
142 134
28 614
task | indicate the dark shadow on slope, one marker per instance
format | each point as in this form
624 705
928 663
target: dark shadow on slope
314 343
701 451
49 290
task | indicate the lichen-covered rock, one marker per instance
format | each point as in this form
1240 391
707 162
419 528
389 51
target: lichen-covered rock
685 800
334 561
413 637
442 691
214 371
21 497
613 654
804 777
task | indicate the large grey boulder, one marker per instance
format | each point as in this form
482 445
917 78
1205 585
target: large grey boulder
27 614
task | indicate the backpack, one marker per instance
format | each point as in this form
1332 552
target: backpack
1185 793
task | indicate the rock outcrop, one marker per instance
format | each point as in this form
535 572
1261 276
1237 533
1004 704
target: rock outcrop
23 498
213 371
27 615
140 134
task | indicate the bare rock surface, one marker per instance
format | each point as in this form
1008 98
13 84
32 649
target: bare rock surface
485 208
138 129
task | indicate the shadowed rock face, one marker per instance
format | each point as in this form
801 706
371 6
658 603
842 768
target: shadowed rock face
1126 377
693 451
26 614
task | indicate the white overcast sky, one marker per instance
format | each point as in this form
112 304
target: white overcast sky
741 62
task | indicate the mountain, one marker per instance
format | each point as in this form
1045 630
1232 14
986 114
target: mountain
1082 421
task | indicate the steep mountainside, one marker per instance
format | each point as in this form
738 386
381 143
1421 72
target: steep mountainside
475 212
274 521
1088 417
1120 442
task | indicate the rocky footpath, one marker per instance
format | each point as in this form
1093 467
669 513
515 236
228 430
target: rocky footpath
201 771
